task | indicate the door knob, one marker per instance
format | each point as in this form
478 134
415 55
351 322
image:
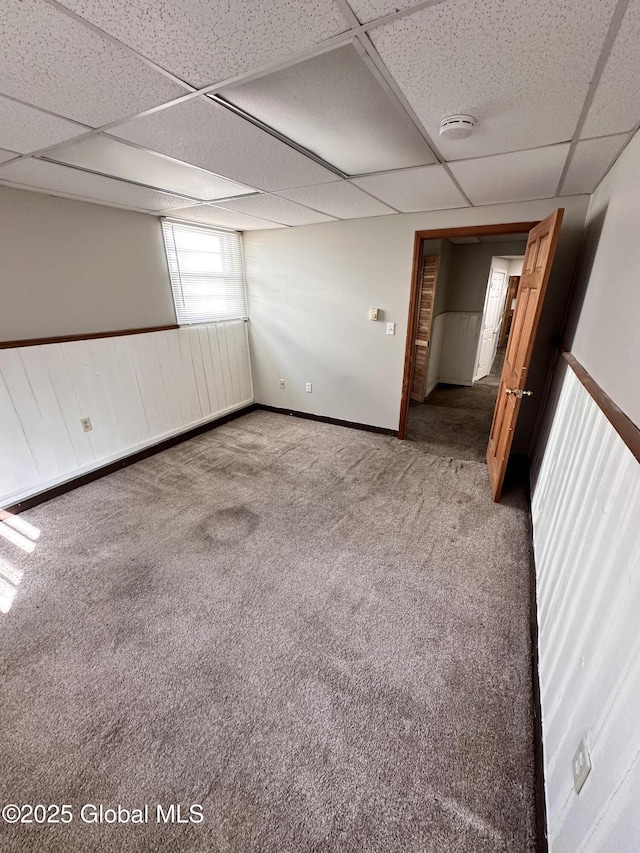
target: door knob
518 393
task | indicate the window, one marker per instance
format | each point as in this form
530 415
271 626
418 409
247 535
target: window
207 277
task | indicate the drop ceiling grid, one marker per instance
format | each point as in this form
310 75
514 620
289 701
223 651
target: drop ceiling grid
26 129
206 134
204 42
333 105
412 190
590 161
518 176
211 215
60 65
368 10
341 199
276 209
523 73
74 182
616 103
109 156
5 156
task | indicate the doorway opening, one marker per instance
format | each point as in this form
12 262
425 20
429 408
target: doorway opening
465 298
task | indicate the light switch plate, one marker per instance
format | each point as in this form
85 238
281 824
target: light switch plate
581 764
391 328
373 313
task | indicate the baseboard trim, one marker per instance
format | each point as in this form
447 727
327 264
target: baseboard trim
536 707
326 420
125 461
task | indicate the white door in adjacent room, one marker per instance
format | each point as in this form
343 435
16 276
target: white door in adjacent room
490 323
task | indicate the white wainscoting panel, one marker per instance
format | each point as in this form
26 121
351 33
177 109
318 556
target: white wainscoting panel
136 389
459 347
586 528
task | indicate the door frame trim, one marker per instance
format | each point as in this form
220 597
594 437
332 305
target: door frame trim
414 294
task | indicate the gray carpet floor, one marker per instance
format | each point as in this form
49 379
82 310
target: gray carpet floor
455 420
319 635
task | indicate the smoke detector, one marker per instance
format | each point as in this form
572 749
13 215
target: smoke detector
457 127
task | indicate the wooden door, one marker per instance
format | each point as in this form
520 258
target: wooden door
507 314
422 342
541 247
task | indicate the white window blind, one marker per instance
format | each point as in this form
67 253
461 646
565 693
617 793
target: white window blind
207 276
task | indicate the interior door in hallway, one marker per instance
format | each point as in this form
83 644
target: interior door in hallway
422 344
541 247
490 323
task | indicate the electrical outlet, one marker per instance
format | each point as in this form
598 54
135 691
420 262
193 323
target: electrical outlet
85 423
282 384
308 387
581 765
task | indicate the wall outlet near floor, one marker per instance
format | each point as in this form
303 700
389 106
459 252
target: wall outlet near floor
282 384
85 423
309 388
581 765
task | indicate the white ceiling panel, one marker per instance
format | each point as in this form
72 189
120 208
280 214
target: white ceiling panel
426 188
341 199
211 215
616 104
334 106
522 70
277 210
36 174
26 129
210 136
52 61
591 159
6 155
111 157
512 177
369 10
204 42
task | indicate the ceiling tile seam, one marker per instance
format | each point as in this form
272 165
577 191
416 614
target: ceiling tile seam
162 190
69 142
71 197
375 198
238 213
277 134
277 194
104 34
276 221
607 46
45 111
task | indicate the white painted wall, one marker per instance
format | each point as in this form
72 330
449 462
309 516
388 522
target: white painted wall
310 289
586 521
586 518
470 271
459 347
69 267
606 319
136 389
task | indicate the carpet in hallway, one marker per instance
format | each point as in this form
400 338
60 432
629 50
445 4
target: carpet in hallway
319 635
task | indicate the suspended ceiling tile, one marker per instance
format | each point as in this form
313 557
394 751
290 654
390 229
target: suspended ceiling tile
26 129
208 135
340 199
333 106
111 157
203 42
426 188
6 155
512 177
616 104
369 10
277 210
590 161
523 71
211 215
36 174
54 62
